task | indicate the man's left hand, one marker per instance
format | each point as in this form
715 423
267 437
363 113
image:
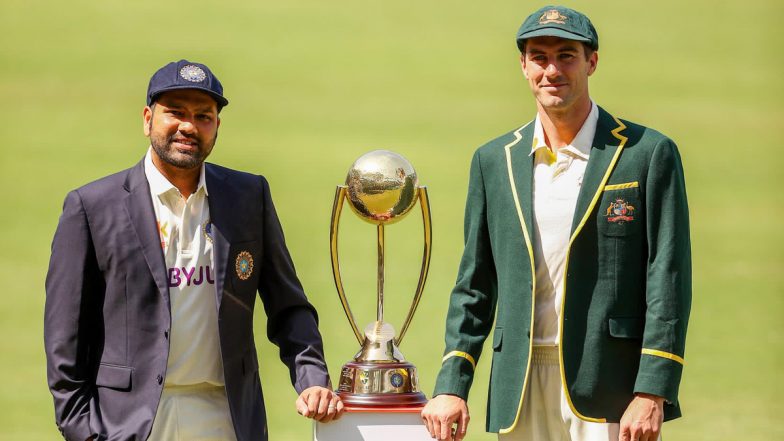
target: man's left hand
643 419
320 404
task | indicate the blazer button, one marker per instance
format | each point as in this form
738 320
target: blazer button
166 334
159 379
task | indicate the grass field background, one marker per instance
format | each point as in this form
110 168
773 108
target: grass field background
314 84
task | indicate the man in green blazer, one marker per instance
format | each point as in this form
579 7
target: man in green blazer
577 246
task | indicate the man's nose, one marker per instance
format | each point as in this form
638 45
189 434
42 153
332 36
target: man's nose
187 127
551 70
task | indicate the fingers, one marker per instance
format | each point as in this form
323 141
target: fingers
313 400
302 406
331 406
320 404
462 425
445 434
339 408
428 420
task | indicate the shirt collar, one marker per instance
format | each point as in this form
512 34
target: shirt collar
582 142
160 185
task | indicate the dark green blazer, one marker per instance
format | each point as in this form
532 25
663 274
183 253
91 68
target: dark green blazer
628 276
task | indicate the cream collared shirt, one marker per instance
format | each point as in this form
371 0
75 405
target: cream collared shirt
557 180
185 232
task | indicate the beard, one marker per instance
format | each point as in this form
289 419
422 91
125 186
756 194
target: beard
162 145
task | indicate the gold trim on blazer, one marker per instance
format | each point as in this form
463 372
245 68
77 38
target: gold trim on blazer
528 244
634 184
667 355
465 355
617 134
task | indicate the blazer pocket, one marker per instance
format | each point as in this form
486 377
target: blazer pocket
620 212
114 376
498 339
627 327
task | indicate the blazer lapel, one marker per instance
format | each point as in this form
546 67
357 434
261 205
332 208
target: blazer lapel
520 169
608 142
220 216
138 203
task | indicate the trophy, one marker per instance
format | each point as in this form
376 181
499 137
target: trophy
381 188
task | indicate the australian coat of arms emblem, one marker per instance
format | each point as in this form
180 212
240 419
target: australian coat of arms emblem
620 211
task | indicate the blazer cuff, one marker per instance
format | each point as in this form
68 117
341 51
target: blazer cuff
309 376
78 428
456 376
659 374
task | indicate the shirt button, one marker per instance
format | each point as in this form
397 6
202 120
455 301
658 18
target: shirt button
159 379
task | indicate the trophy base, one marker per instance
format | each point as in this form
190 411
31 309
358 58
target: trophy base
413 399
369 384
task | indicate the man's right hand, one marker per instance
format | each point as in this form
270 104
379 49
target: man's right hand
441 413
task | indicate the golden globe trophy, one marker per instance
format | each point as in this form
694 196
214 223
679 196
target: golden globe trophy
381 188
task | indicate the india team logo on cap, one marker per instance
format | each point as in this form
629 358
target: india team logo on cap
192 73
552 16
244 265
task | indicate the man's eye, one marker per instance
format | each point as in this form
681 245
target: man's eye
205 117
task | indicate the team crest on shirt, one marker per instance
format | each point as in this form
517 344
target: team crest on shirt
620 211
244 265
552 16
206 228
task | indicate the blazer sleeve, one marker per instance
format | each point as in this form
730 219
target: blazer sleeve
292 322
473 299
72 282
668 284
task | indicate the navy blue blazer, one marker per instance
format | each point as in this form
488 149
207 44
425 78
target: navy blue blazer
108 317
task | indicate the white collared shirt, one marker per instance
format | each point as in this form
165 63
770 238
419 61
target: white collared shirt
557 180
185 233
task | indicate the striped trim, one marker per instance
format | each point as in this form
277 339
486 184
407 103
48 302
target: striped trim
634 184
663 354
510 171
617 134
462 354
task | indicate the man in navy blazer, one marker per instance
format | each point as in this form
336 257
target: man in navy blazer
130 335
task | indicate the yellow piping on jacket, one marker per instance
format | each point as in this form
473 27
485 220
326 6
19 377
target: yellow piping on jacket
509 169
617 134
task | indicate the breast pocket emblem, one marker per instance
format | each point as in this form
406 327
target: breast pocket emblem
244 265
620 212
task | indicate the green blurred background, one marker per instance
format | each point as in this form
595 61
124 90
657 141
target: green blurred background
314 84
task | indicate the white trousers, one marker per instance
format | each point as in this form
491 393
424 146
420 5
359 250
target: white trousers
193 413
546 415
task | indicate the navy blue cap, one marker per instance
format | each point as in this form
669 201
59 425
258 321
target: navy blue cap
185 74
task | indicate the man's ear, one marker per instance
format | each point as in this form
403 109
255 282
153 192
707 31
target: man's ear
593 61
147 119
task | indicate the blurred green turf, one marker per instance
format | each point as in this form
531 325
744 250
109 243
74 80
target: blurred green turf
314 84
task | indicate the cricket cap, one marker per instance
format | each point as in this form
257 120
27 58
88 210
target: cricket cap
185 74
558 21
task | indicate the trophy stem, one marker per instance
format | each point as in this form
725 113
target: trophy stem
380 301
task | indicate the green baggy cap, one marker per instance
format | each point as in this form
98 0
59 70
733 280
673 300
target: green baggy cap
558 21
